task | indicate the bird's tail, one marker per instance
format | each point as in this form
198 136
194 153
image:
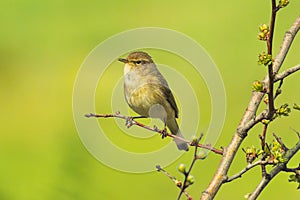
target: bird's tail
173 126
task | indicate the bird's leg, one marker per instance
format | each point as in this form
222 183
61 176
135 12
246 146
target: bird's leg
129 120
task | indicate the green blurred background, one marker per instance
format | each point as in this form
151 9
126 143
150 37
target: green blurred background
42 45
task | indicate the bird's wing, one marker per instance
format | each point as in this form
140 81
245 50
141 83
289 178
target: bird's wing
170 98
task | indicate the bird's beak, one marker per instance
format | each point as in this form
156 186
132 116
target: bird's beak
123 60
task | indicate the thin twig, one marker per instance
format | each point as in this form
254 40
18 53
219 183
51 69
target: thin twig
130 122
286 73
247 168
177 183
186 174
280 142
278 90
263 136
295 170
263 144
297 132
159 169
289 36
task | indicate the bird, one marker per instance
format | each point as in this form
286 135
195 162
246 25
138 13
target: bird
148 93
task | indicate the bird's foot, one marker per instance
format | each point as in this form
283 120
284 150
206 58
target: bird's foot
129 122
164 133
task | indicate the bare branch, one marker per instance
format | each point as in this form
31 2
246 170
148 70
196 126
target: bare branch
247 168
177 182
159 169
263 144
295 170
286 73
130 122
286 44
278 90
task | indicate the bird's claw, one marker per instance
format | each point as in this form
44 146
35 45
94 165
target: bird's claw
129 122
164 133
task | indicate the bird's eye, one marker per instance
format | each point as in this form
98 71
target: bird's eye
138 62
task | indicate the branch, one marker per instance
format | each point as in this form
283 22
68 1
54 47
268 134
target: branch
188 179
177 182
286 44
263 144
130 122
270 66
279 167
295 170
286 73
298 134
278 90
186 174
247 168
249 118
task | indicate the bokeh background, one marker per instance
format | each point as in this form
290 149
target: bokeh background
42 45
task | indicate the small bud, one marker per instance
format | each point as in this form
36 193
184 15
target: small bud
265 121
202 155
284 110
251 154
278 91
194 140
277 153
264 32
246 196
263 27
258 86
178 183
158 167
261 36
264 59
283 3
266 100
182 168
296 107
190 180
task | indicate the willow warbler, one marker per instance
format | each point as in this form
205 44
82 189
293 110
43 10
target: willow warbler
148 94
